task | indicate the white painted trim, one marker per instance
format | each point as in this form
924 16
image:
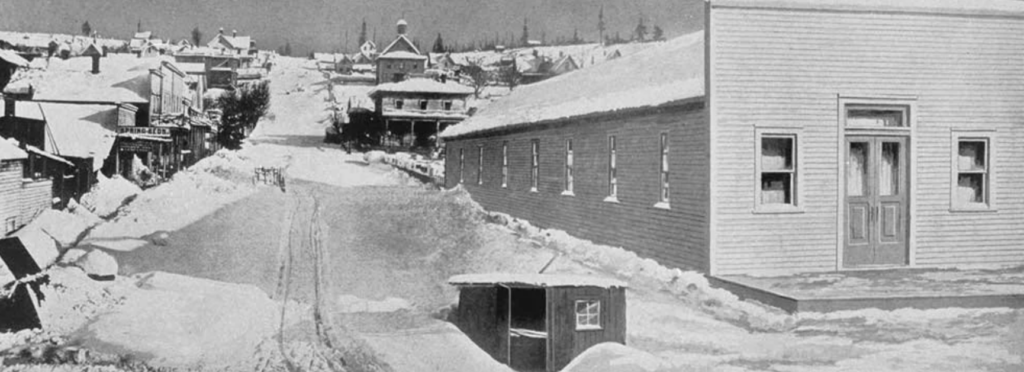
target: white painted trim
797 205
711 114
662 205
990 136
611 199
567 193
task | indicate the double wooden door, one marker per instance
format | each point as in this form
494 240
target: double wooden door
877 201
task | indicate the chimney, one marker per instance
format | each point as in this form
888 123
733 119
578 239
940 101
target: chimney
221 31
15 93
234 33
96 64
402 26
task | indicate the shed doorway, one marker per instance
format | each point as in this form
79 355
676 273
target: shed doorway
527 337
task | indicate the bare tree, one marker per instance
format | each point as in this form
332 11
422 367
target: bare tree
479 78
510 75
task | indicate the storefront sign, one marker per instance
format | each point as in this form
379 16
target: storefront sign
145 131
137 146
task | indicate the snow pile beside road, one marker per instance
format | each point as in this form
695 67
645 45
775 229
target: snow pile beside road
64 227
108 195
191 195
613 357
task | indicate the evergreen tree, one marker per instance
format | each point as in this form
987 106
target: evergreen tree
658 34
197 36
86 29
526 34
286 50
138 27
362 34
640 34
576 37
600 24
439 44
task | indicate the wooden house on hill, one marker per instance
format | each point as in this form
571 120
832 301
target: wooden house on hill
401 59
788 137
24 194
234 44
414 111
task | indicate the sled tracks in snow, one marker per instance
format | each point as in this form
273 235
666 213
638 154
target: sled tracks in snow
329 352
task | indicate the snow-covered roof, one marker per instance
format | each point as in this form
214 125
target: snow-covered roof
944 6
535 280
401 55
13 58
405 40
192 68
421 86
670 72
10 151
81 131
143 35
122 78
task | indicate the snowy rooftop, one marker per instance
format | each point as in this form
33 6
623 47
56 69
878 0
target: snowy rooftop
10 151
75 130
422 86
535 280
122 78
666 73
401 55
13 58
945 6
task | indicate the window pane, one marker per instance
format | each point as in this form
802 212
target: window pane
875 118
971 188
972 156
776 188
889 174
776 153
857 170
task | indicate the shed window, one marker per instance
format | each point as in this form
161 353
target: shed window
504 164
777 169
534 164
588 314
480 165
568 168
972 171
613 181
399 103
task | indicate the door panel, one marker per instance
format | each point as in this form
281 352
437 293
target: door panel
876 201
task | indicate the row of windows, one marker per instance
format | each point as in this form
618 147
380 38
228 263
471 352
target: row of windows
423 104
569 176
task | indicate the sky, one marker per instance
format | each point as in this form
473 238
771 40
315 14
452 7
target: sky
322 25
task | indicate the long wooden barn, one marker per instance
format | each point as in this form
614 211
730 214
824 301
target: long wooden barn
787 137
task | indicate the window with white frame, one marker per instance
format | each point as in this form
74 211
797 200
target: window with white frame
972 171
462 163
776 166
588 314
613 181
568 168
534 164
504 164
663 197
480 164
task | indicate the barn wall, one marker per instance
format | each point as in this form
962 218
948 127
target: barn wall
675 236
788 68
565 341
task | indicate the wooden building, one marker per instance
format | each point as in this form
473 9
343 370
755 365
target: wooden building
23 196
401 59
414 111
539 322
790 136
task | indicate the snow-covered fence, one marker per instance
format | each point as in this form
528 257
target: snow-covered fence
269 176
430 170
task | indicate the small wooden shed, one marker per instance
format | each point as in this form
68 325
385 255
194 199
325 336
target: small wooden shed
539 322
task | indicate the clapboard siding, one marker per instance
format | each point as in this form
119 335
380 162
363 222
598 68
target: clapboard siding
787 68
676 237
20 199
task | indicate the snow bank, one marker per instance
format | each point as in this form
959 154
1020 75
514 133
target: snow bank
353 304
108 195
190 195
614 357
63 227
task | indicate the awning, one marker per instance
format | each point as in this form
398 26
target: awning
140 137
45 154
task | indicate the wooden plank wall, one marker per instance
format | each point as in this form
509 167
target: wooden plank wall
566 341
676 237
19 199
787 68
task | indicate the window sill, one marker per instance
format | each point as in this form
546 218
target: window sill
533 189
567 193
611 199
973 209
588 328
778 209
662 205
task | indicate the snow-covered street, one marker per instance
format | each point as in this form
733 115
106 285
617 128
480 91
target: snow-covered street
346 268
